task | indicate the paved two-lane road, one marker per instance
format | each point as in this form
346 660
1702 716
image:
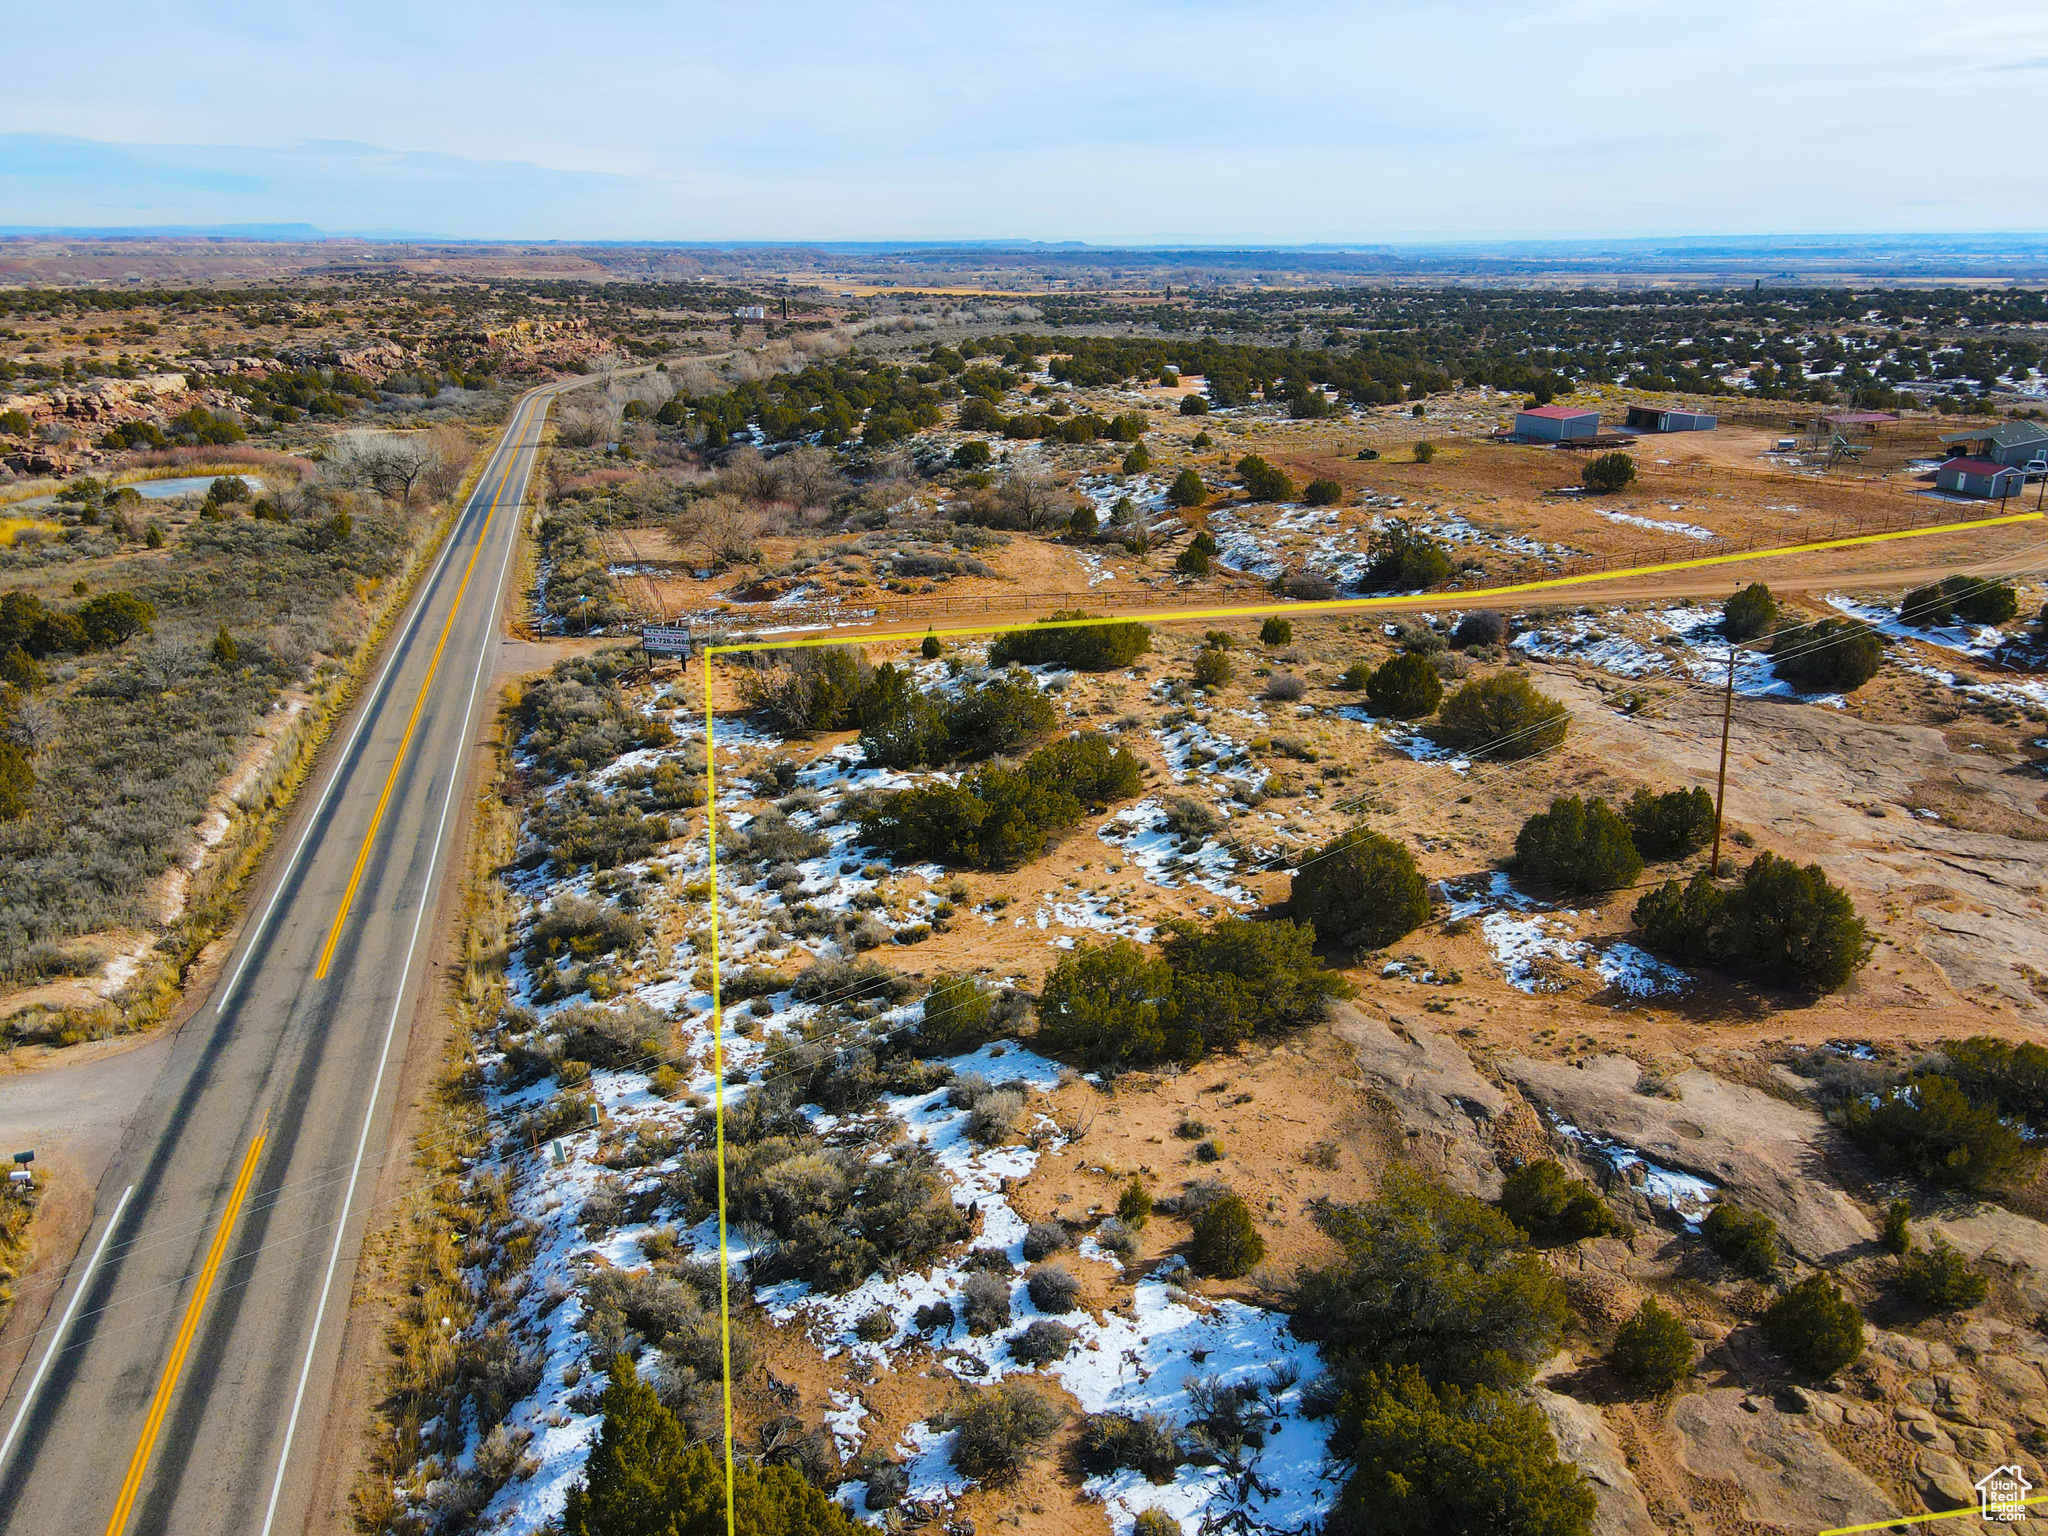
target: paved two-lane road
181 1377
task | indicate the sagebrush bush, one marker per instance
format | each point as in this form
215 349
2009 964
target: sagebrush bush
1581 845
1001 1429
985 1302
1053 1288
1110 1442
1484 626
1276 631
1361 890
1041 1341
1285 687
1501 716
1042 1239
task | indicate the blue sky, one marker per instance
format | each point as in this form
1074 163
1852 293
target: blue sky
1157 121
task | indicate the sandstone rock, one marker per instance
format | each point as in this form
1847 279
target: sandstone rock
1978 1443
1943 1481
1584 1439
1762 1151
1435 1090
1923 1391
1861 1416
1785 1471
1908 1354
2020 1378
1921 1426
1797 1399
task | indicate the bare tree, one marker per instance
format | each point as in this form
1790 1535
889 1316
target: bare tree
747 475
33 725
716 529
808 478
163 664
452 450
1035 500
393 464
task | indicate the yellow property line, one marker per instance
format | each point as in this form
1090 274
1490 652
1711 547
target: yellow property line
718 1074
355 877
1947 1514
1340 605
160 1404
1354 604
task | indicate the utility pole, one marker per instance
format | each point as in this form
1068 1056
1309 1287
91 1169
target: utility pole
1721 786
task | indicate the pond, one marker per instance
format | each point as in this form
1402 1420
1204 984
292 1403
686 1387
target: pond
159 490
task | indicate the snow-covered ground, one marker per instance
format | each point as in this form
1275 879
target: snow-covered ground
1140 1359
1660 525
1536 945
1683 641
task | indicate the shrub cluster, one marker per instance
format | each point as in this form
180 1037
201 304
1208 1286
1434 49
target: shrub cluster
1262 481
901 726
29 625
1608 473
1581 845
1815 1326
1941 1279
1114 1006
996 817
1501 716
1099 647
1831 655
1405 559
1361 890
1434 1315
1482 627
1553 1207
1929 1126
644 1474
1670 825
1973 599
1404 688
1782 922
577 719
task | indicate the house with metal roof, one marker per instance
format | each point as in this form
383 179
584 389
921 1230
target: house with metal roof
1556 423
2010 442
1980 477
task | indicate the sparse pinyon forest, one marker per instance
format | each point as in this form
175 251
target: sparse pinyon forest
1343 1070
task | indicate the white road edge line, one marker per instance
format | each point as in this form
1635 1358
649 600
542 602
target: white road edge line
333 778
391 1028
84 1281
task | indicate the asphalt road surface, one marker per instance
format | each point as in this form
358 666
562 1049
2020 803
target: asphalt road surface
180 1381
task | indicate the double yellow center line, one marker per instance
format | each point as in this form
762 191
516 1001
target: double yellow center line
188 1326
355 878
